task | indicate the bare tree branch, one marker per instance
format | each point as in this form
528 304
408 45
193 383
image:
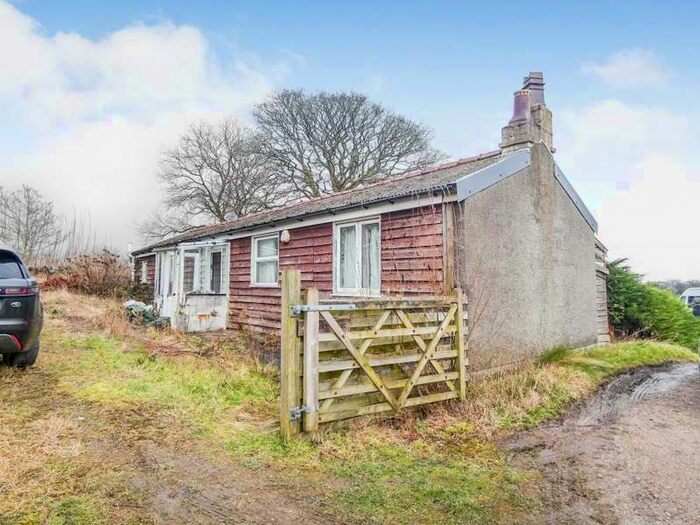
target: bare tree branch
215 173
329 142
29 223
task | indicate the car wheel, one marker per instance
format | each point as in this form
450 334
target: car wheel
23 359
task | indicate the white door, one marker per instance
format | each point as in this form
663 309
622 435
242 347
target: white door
168 284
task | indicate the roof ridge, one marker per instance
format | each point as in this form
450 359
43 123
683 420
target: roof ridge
386 180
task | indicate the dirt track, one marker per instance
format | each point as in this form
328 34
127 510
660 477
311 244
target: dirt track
630 455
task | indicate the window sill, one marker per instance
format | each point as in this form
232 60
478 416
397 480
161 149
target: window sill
263 285
357 295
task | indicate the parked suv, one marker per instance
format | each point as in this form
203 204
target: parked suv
21 316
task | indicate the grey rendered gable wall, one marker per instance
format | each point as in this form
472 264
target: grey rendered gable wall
484 178
528 267
574 196
511 164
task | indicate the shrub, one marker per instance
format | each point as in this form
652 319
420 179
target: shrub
638 309
103 274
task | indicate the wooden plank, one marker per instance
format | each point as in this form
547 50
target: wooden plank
461 350
335 366
421 344
366 319
367 388
334 346
311 363
450 246
390 332
361 359
363 348
289 354
403 302
429 352
378 408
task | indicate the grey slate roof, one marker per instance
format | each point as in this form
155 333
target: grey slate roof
408 184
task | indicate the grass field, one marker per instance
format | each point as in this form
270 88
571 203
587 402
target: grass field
104 392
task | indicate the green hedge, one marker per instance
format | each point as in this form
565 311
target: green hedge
638 309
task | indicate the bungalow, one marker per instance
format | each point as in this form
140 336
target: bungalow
507 226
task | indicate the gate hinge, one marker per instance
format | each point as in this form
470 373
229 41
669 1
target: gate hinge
296 412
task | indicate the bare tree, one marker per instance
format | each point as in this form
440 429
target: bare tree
164 223
328 142
29 223
215 173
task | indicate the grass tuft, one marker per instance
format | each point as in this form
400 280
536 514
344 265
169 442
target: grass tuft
77 510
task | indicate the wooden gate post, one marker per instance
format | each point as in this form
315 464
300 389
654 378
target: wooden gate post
461 351
311 363
290 396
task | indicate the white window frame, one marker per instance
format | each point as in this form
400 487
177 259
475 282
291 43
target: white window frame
168 279
337 290
196 281
144 272
208 259
254 260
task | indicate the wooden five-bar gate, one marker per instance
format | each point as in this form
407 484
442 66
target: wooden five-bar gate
343 359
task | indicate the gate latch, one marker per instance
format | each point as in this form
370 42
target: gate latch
296 412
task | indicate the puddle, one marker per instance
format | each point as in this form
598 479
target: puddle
628 389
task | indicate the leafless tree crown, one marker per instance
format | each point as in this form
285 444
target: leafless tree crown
30 225
215 173
328 142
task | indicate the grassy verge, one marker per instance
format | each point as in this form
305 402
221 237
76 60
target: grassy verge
436 465
443 461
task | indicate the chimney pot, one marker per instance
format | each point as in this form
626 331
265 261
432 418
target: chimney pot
534 82
521 106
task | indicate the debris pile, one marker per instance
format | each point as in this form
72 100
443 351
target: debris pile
143 314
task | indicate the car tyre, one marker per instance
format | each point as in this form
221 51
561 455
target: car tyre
23 359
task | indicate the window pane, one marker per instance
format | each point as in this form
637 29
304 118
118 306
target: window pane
266 272
347 263
188 280
171 274
215 284
9 267
267 247
370 256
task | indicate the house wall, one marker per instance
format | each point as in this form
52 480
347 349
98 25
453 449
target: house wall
527 262
412 262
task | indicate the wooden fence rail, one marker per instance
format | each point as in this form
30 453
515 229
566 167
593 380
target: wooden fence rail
343 359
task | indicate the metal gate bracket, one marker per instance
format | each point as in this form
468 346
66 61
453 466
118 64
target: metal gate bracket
296 412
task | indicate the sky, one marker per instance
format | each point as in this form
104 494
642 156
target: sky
92 92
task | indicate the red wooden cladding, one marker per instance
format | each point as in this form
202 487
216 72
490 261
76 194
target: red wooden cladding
412 262
412 251
150 262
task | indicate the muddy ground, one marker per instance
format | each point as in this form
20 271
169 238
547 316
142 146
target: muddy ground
629 455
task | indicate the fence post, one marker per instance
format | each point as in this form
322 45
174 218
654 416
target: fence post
289 354
461 352
311 363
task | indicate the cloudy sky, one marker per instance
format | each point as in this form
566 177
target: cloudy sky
90 93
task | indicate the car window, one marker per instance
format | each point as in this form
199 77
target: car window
9 267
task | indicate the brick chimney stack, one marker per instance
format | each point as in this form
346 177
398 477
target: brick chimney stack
532 119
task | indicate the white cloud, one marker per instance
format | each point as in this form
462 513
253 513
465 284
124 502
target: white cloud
634 165
655 221
94 114
629 68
